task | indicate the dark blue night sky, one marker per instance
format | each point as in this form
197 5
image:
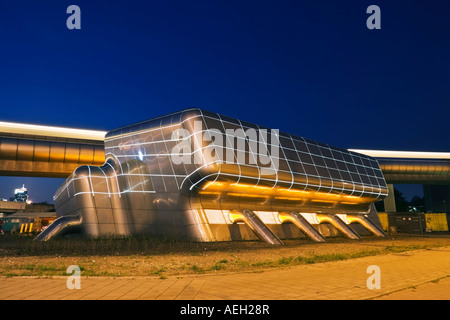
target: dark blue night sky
310 68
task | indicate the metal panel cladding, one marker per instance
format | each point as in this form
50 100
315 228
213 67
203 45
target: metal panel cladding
185 150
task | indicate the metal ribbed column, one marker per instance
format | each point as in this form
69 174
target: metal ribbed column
254 222
300 222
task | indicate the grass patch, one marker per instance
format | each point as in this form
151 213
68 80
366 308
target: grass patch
285 261
435 280
217 266
158 272
10 275
317 258
400 249
196 269
32 269
263 264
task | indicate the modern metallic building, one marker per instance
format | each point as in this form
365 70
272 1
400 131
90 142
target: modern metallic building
202 176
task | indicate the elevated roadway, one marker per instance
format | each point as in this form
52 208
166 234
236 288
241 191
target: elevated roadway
44 151
411 166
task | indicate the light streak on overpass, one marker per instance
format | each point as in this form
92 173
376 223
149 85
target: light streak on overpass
47 151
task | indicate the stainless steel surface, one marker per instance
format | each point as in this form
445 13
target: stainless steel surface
259 228
298 220
143 188
368 224
59 226
339 225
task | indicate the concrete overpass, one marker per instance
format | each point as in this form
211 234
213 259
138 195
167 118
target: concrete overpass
44 151
412 166
431 169
47 151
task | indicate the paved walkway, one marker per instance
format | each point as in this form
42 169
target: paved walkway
423 274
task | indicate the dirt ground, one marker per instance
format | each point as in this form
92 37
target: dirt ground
203 258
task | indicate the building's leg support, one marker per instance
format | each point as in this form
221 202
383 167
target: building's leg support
389 201
59 226
254 222
298 220
338 224
367 223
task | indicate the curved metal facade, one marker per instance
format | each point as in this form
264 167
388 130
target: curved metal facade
191 173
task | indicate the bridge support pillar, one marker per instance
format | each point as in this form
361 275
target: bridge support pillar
389 201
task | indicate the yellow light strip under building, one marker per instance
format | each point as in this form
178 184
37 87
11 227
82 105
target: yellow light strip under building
246 190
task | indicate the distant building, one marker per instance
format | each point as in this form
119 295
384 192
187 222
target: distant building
20 195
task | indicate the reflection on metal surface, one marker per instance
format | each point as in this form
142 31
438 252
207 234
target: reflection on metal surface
59 226
303 224
367 223
338 224
258 227
162 175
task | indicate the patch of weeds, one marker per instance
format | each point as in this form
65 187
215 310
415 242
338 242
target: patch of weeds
10 275
322 258
29 267
285 261
261 264
159 271
435 280
242 263
364 253
399 249
217 266
196 268
105 273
